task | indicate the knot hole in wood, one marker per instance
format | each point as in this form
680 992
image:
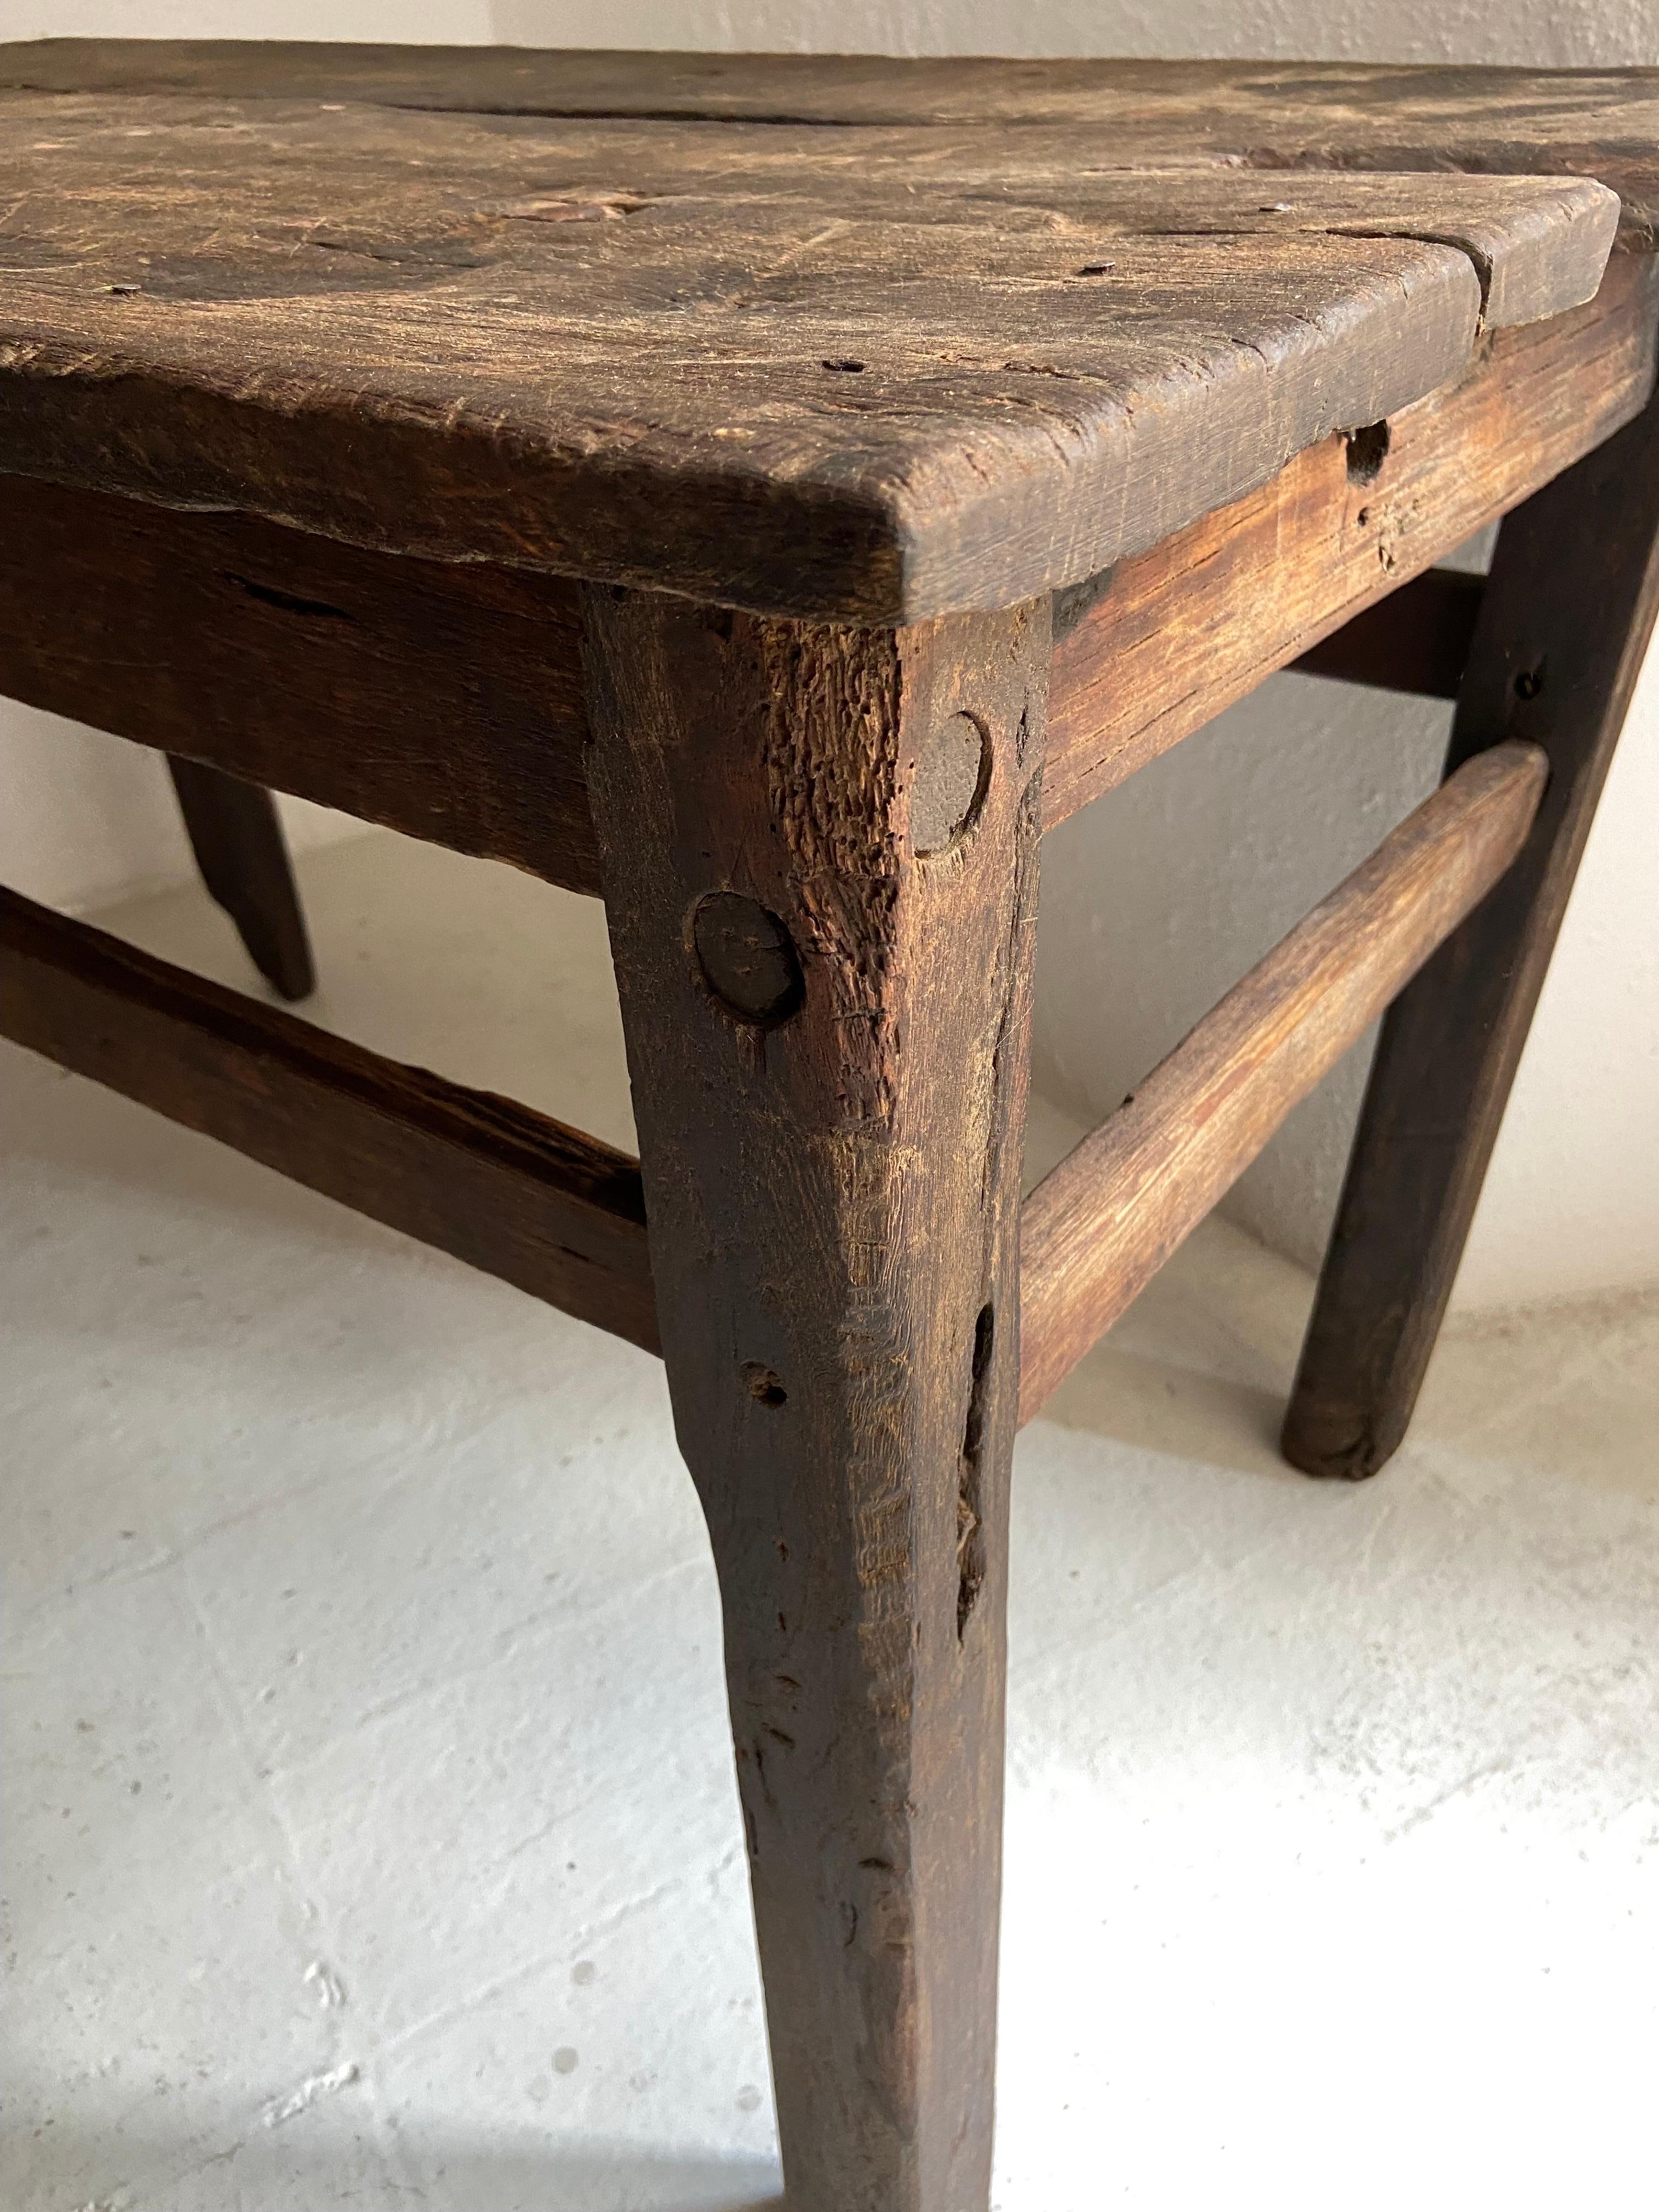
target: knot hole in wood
747 958
953 771
1367 451
764 1385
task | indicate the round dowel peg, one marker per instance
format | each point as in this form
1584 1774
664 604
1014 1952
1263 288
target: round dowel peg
952 771
748 960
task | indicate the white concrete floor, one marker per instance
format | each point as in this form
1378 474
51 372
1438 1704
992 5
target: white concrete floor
371 1836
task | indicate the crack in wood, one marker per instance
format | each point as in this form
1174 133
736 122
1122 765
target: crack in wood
970 1534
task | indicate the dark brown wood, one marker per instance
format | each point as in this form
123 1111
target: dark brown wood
505 1188
1097 1229
1151 651
387 344
1417 640
833 1190
1269 115
237 838
442 700
1566 617
737 361
445 699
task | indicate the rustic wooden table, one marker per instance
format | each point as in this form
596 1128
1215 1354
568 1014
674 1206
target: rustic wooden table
767 494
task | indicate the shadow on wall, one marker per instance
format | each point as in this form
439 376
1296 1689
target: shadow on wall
1159 897
492 2171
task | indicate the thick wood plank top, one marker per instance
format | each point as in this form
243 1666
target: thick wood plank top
1602 123
838 338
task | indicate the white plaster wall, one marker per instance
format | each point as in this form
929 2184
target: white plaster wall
1155 900
1549 33
449 22
85 818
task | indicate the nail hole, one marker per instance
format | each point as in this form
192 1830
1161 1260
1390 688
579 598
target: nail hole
953 771
1367 451
747 958
765 1388
1530 683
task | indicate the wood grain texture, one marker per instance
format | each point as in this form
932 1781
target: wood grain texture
1417 640
1564 624
1151 651
509 1191
1338 115
833 371
446 699
442 700
833 1194
1096 1230
239 847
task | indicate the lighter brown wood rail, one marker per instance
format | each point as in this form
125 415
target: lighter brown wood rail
561 1216
1094 1231
1179 633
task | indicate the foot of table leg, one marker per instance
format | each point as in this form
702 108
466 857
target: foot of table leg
1564 625
237 841
820 854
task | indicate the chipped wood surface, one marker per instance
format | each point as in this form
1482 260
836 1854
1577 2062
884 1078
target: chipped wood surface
498 1185
446 699
860 371
830 1126
323 371
1153 651
1096 1230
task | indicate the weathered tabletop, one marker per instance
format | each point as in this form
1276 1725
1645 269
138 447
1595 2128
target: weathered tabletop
839 338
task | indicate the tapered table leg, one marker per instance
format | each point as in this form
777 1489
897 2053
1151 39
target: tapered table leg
237 841
820 854
1564 625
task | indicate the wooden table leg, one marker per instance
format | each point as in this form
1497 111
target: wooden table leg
1564 625
237 841
820 853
